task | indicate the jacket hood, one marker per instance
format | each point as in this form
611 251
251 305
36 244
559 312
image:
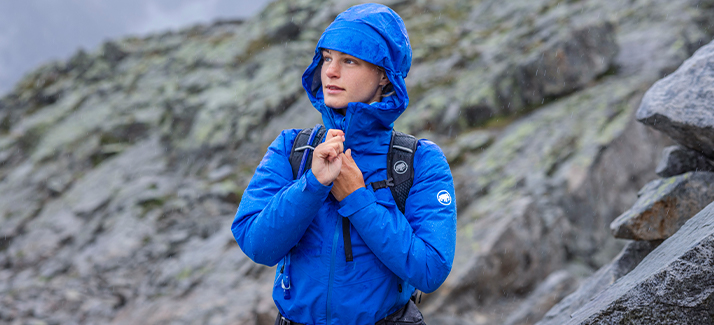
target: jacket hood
373 33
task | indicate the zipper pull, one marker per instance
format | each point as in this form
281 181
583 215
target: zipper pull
285 282
286 291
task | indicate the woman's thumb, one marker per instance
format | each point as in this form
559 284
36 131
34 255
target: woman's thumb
348 153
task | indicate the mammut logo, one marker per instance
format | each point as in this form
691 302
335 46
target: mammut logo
400 167
444 197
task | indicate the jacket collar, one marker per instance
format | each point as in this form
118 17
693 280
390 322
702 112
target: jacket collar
367 127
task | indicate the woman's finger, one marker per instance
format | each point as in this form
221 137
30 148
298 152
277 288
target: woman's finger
331 133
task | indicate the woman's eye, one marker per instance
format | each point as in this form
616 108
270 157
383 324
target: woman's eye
349 61
327 59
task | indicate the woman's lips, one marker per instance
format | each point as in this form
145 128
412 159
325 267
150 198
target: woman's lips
333 90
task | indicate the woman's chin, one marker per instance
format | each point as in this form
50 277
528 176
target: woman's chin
336 105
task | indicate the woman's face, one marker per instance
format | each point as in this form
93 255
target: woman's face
347 79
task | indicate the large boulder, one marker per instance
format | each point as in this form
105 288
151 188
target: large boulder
664 205
673 285
680 105
628 259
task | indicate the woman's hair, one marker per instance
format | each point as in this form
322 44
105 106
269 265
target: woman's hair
388 89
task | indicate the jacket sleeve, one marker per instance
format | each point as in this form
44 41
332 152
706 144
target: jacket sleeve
275 210
418 246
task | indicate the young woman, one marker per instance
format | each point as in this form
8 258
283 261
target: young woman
356 81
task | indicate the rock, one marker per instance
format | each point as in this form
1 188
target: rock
678 160
97 188
550 66
680 104
628 259
46 234
553 289
446 320
562 65
673 284
467 142
664 205
112 53
221 173
535 191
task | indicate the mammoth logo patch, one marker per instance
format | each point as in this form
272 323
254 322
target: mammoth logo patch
444 197
400 167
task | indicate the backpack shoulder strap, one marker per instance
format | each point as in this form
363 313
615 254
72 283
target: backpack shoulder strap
301 149
400 166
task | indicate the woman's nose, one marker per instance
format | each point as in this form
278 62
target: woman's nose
333 70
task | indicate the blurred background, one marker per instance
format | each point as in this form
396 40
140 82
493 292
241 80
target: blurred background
36 31
129 131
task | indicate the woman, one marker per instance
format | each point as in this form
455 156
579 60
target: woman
356 81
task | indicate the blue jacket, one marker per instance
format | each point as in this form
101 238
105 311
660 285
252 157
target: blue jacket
394 253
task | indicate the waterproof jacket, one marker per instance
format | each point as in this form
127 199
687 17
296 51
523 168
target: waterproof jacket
298 222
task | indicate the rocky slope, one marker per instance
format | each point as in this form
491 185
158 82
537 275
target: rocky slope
121 169
666 275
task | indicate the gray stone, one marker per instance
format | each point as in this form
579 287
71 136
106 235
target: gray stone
628 259
554 288
563 65
220 173
673 284
96 188
678 160
112 52
664 205
446 320
464 143
680 104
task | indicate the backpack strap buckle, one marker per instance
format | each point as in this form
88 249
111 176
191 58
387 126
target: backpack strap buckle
389 182
283 321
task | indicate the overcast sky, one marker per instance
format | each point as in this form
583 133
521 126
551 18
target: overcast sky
36 31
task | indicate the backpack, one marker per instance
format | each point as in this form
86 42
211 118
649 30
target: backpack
400 168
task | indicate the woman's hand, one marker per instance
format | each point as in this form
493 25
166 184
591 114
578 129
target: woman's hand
349 179
327 157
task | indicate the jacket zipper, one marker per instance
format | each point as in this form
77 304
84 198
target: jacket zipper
335 238
346 123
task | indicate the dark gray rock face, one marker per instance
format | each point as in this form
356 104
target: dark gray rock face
680 105
678 160
628 259
673 285
562 66
514 229
664 205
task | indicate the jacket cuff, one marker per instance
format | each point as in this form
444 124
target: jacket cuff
311 184
356 201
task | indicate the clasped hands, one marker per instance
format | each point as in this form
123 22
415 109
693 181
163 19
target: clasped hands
331 165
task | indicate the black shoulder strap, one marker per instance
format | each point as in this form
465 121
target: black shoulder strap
400 170
300 145
400 166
